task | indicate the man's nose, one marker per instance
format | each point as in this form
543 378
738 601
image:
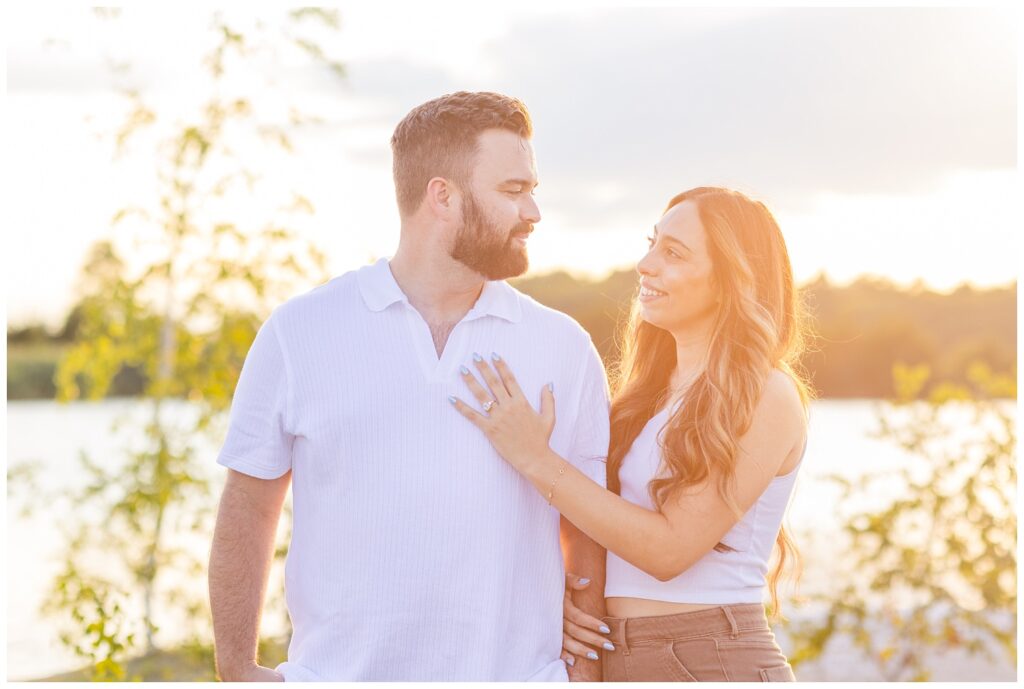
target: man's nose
531 211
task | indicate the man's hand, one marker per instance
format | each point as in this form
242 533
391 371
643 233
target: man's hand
253 673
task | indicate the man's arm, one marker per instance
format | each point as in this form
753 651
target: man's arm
243 545
586 558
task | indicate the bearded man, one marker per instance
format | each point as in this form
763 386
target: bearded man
416 552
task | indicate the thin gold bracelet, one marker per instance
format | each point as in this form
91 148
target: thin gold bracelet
551 491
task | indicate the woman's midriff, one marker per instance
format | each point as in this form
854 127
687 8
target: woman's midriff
644 607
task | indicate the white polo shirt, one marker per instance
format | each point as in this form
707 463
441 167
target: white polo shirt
416 553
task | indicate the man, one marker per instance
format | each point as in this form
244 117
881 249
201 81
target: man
416 552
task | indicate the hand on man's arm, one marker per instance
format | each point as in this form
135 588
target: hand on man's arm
585 557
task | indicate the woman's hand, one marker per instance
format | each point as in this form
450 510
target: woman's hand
580 635
518 433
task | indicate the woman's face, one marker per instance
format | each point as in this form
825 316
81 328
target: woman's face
677 288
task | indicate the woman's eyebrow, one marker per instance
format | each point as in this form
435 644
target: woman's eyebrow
670 238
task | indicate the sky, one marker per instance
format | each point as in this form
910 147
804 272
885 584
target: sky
883 139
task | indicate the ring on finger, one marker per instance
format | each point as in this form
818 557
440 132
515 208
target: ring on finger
489 404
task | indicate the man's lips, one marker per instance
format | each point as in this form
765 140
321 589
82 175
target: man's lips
520 235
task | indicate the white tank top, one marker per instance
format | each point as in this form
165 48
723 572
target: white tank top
737 576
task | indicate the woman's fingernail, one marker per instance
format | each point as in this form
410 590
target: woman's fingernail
464 370
451 398
571 661
591 655
494 355
605 630
551 387
584 581
477 358
608 646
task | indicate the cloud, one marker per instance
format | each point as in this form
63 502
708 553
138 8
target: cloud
788 104
631 106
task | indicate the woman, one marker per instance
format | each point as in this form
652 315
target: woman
708 428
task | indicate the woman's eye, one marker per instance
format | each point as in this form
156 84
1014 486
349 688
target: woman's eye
650 241
673 254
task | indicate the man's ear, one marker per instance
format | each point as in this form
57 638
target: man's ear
441 198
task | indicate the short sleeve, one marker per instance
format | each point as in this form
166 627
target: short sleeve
258 442
589 449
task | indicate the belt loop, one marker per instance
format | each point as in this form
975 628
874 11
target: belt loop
734 630
625 641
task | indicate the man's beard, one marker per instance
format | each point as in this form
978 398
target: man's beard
481 246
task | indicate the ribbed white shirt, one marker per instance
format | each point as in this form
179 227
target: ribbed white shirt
416 553
718 578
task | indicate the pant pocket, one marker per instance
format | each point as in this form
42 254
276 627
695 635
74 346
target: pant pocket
698 659
646 662
779 673
750 660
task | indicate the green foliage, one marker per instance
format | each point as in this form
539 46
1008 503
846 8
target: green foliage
100 631
860 331
30 370
182 323
866 328
931 545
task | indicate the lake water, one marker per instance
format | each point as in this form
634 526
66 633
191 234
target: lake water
52 434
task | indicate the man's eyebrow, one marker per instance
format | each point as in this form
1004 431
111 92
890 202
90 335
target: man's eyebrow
522 183
670 238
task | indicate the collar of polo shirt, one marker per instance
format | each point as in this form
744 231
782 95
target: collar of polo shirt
379 290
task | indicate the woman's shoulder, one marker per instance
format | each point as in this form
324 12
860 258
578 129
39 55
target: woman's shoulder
782 396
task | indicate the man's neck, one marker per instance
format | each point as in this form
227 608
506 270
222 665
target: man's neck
439 287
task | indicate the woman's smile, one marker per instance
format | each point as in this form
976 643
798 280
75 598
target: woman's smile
649 294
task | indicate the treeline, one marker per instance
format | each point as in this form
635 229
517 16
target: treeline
859 332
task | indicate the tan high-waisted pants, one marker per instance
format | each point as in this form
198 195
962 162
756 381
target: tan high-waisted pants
730 643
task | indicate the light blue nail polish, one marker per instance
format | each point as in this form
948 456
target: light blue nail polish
608 646
571 661
551 387
584 582
605 630
591 655
477 358
464 370
495 357
451 398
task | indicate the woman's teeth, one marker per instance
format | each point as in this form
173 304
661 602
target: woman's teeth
647 292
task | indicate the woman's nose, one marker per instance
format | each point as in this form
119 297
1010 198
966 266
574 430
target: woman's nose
645 265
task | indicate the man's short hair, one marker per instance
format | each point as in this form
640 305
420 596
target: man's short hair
439 139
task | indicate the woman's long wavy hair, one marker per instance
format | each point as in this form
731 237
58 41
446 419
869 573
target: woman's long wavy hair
758 327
